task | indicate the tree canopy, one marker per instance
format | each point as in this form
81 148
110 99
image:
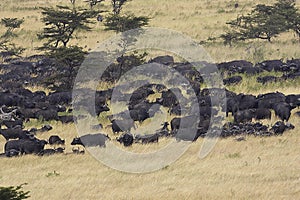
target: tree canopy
6 43
61 23
117 6
264 22
121 22
68 61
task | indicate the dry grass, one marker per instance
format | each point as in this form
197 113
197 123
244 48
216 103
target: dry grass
258 168
250 85
197 19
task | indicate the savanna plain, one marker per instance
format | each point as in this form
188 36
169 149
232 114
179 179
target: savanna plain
257 168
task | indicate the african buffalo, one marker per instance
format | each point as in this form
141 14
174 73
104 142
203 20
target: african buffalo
232 106
243 116
232 80
267 79
45 128
293 100
271 65
25 146
184 122
262 113
269 99
246 101
126 139
47 115
150 138
12 124
283 110
16 133
122 125
91 140
278 128
47 152
55 139
66 119
165 60
185 134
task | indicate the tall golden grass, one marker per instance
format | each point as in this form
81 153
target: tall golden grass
197 19
258 168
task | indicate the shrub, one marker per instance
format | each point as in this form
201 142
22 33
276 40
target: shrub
13 193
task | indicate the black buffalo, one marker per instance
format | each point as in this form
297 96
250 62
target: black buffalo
139 114
55 139
246 101
25 146
232 106
16 133
243 116
279 127
47 152
12 153
283 110
99 108
12 124
126 139
66 119
150 138
46 127
47 115
185 134
184 122
166 60
122 125
267 79
91 140
262 113
271 65
268 100
293 100
232 80
63 98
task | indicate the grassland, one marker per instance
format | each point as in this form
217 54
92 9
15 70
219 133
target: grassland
198 19
258 168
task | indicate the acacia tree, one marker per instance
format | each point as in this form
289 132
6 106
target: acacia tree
121 23
117 6
296 25
264 22
61 23
287 9
118 21
68 61
5 40
93 3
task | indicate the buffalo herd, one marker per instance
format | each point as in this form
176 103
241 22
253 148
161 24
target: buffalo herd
242 112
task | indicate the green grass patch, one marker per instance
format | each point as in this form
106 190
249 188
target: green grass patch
233 155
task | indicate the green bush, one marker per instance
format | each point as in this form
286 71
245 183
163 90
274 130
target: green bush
264 22
13 193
